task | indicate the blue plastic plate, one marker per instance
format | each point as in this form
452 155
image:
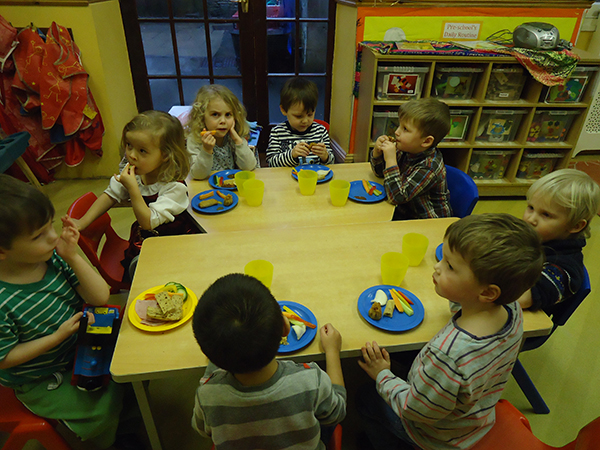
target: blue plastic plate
214 209
358 193
399 321
310 333
439 252
212 180
314 167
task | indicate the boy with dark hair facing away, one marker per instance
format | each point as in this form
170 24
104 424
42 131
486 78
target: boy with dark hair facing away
299 139
248 399
448 398
413 169
43 285
560 207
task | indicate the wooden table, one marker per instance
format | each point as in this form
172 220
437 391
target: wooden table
324 268
285 207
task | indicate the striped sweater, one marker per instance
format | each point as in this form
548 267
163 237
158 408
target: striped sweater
454 384
283 139
283 413
32 311
417 185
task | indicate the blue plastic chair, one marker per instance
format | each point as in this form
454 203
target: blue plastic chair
561 314
11 150
463 192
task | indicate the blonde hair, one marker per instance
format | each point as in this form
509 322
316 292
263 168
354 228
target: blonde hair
203 97
571 189
500 250
171 141
429 115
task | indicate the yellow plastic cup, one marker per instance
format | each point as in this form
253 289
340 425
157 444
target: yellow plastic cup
339 190
241 177
393 268
414 245
254 191
261 270
307 179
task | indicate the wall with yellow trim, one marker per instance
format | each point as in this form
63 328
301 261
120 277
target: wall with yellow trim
98 32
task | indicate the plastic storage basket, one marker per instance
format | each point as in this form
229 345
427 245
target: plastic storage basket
536 164
400 82
506 83
459 124
489 164
551 126
453 82
384 122
574 87
499 125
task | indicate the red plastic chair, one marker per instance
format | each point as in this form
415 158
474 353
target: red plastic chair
513 431
109 262
335 443
23 425
322 122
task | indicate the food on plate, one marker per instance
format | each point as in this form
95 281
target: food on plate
208 203
170 307
292 316
228 200
206 195
178 288
404 301
283 341
299 330
375 311
380 297
396 299
228 183
321 174
231 175
389 308
360 197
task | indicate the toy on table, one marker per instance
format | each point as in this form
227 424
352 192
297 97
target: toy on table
95 347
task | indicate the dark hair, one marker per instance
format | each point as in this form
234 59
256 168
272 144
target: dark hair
23 209
299 90
429 115
500 250
238 324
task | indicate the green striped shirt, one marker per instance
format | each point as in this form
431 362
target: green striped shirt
32 311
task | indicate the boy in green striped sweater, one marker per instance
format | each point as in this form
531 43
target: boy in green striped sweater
43 285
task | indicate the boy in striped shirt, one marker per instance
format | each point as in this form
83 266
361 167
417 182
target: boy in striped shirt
299 139
43 285
247 399
448 398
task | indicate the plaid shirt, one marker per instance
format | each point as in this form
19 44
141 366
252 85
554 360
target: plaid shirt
417 185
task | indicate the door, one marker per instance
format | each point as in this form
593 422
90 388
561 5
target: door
176 46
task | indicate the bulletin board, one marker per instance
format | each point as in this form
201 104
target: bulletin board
455 24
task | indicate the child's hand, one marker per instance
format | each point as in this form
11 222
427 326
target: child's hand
331 339
301 149
320 150
127 177
234 135
378 147
208 142
375 359
67 243
69 326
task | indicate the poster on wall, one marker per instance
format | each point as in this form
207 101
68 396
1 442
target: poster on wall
458 24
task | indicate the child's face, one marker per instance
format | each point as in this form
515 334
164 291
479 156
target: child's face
549 220
218 116
142 151
298 117
454 279
32 248
409 138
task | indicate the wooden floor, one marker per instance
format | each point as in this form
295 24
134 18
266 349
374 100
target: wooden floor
565 369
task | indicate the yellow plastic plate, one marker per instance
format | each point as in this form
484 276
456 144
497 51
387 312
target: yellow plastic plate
188 310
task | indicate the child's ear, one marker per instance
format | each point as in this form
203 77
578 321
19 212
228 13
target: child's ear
2 254
283 111
427 142
286 327
578 226
490 293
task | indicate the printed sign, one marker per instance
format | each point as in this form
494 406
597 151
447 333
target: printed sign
461 30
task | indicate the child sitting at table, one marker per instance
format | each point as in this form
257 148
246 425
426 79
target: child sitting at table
217 132
248 399
44 283
560 207
413 169
299 139
153 179
448 398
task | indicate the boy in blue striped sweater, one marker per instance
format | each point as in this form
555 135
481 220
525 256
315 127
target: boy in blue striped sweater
300 138
447 401
247 399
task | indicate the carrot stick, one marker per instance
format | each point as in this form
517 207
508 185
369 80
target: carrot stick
202 133
220 194
397 301
206 195
404 297
299 319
